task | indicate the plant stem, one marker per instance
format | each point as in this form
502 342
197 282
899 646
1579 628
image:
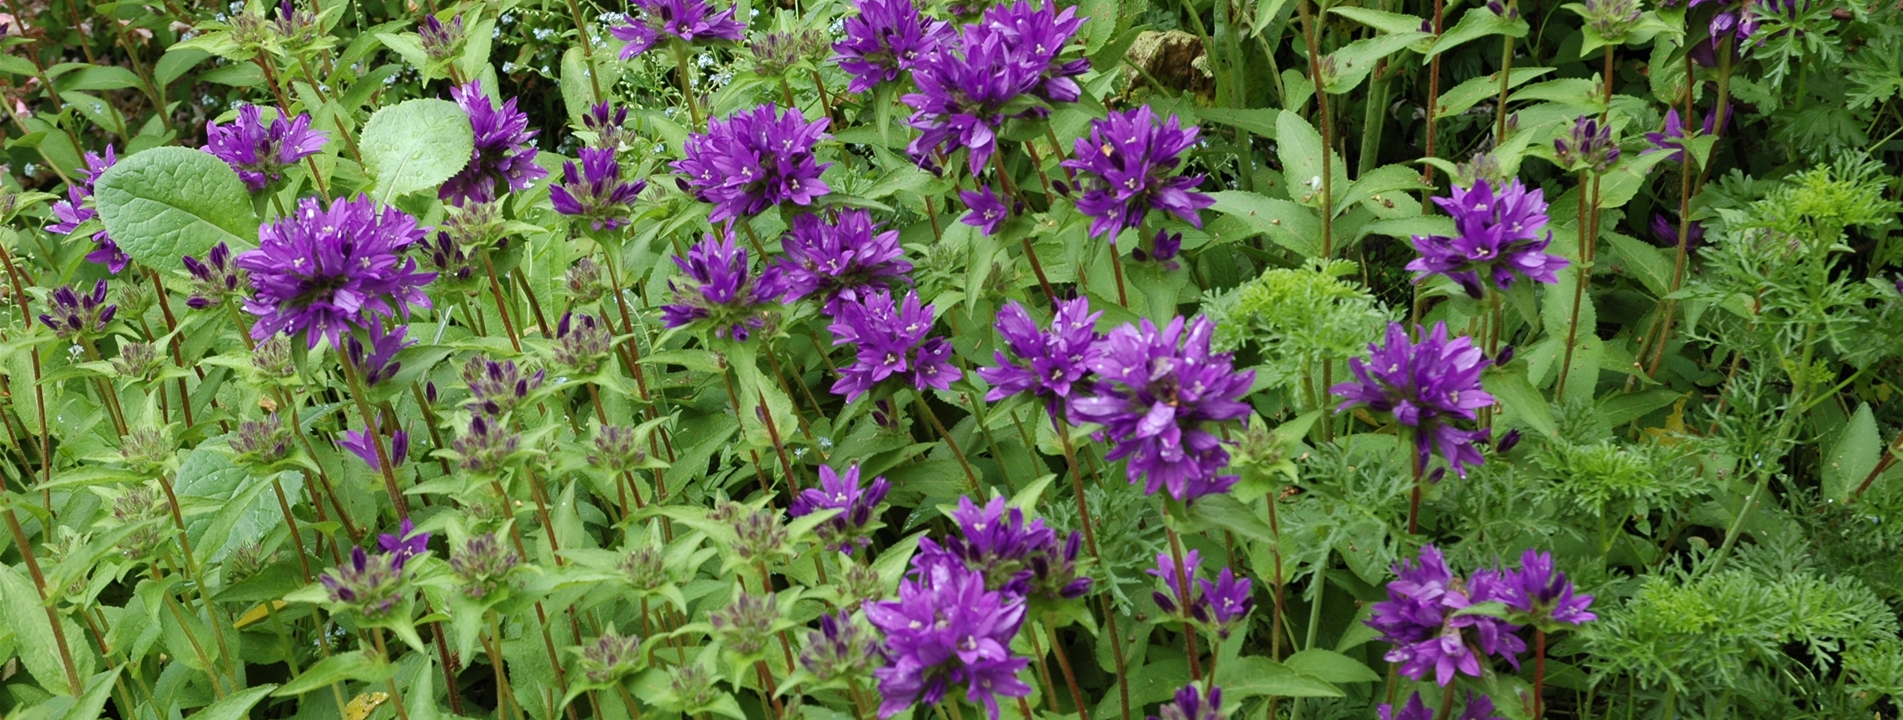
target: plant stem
1539 673
1186 600
1063 665
374 433
46 602
1327 131
925 409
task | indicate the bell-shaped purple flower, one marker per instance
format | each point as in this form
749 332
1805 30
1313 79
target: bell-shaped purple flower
377 362
74 211
322 271
405 544
74 314
946 631
857 506
503 160
840 259
1225 602
1190 703
260 150
1543 593
717 285
885 38
985 211
215 280
596 193
1129 164
1157 390
1421 619
1426 387
1498 238
1021 558
892 341
688 20
362 444
1050 364
755 160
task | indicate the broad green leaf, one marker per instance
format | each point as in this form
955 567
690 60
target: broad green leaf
1257 676
1858 449
98 690
1260 121
1382 20
1301 151
1288 224
1226 513
33 634
168 202
1354 61
1152 683
109 77
415 145
1523 403
1477 23
1330 666
1651 266
1378 182
237 706
1576 93
1469 93
335 669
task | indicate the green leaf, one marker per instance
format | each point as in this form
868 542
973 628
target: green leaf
1477 23
1254 676
1576 93
1153 683
1330 666
235 707
33 635
98 690
335 669
1524 404
169 202
1381 20
1855 454
1300 147
1384 179
1288 224
110 77
416 144
1650 265
1355 60
1469 93
1227 513
1260 121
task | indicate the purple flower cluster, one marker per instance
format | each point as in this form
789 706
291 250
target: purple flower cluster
1156 390
215 280
373 585
1496 235
1050 364
74 314
322 271
73 212
892 340
986 211
596 193
967 82
503 160
377 361
259 150
688 20
1589 146
1479 707
945 631
1219 605
755 160
840 260
1425 387
1540 593
857 505
1128 164
1672 139
716 284
886 38
1018 558
1191 704
1421 619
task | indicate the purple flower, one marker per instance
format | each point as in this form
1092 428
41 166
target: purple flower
1667 232
1589 146
74 314
1163 249
1050 363
840 648
1425 387
1224 603
684 19
944 632
322 271
405 544
1543 592
1421 620
260 151
885 38
362 444
755 160
502 159
963 88
608 123
1413 710
1191 704
497 388
596 193
378 362
1019 558
1128 165
857 506
1158 388
1181 581
215 280
371 585
1038 35
716 285
73 211
891 338
988 213
1498 236
840 259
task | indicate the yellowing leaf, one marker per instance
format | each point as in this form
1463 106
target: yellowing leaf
362 705
259 613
